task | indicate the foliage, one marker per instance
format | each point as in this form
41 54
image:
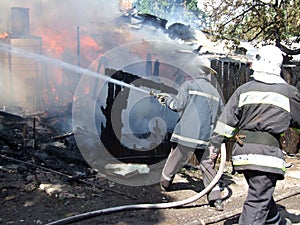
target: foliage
144 6
260 20
186 10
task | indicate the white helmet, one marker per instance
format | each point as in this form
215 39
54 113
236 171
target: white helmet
268 59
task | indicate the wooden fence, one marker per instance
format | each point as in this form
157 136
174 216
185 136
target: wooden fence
231 73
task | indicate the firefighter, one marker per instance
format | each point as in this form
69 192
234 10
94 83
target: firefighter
199 104
257 114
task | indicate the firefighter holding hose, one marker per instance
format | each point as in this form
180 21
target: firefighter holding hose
257 114
199 105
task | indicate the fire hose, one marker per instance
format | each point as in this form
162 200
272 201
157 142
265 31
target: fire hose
95 213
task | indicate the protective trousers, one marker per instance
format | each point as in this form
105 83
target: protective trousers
259 207
179 156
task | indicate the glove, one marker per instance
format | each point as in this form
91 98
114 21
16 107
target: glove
161 97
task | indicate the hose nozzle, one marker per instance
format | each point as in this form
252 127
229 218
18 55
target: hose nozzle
153 93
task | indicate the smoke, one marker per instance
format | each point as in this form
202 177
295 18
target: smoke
5 95
55 21
59 14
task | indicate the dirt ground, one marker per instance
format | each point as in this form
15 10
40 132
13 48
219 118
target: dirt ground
30 195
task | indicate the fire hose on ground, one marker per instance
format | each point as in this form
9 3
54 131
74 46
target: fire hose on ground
99 212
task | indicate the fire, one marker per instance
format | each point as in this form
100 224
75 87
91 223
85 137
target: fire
63 44
4 35
89 47
57 43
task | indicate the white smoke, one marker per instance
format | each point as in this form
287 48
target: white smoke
57 13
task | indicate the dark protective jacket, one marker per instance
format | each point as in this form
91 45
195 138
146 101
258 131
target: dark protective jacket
267 105
199 105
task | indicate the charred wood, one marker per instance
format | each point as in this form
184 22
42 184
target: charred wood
181 31
64 136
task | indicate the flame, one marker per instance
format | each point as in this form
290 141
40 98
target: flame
4 35
89 48
57 42
62 44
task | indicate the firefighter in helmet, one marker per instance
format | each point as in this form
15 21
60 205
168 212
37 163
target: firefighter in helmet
257 113
199 105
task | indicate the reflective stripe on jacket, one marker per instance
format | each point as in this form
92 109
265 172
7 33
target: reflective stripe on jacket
199 105
259 105
255 159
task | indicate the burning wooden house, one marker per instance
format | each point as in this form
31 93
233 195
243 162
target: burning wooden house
127 125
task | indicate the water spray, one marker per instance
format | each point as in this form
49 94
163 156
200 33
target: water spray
74 68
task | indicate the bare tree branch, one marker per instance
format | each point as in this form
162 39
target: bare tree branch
287 50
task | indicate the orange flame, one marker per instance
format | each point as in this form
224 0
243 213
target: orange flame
62 44
56 42
89 48
4 35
